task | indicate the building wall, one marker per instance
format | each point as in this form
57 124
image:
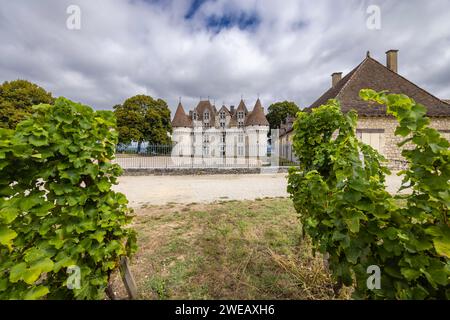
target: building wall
381 128
240 143
285 145
389 140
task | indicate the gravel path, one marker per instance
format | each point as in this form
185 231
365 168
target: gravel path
160 190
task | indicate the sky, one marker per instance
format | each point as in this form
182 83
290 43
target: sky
221 49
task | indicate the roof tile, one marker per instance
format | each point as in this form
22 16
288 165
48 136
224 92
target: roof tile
372 74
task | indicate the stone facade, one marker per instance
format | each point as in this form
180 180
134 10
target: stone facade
389 141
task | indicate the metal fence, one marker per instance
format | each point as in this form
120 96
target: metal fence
287 156
240 156
202 156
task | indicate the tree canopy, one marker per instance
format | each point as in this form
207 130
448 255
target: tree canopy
142 118
279 111
16 99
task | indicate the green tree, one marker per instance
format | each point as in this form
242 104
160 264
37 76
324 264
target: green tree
16 99
142 118
279 111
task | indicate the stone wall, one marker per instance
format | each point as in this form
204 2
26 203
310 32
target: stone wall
390 149
199 171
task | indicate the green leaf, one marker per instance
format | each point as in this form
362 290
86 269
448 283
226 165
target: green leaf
353 224
38 141
442 246
36 269
103 185
17 271
30 201
410 274
64 262
402 131
3 284
36 293
439 276
8 214
7 236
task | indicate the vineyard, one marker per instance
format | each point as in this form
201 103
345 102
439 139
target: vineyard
57 210
339 192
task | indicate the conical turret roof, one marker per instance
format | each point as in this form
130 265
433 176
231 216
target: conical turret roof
181 119
257 117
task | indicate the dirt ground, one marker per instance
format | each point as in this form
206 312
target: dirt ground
159 190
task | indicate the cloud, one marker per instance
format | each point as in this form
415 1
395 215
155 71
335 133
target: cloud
221 49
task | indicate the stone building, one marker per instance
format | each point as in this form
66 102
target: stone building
286 134
374 126
229 137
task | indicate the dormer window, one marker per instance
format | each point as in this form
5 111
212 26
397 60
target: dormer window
206 115
194 115
222 115
240 115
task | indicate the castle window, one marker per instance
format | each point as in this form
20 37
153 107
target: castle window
240 151
194 115
240 115
206 115
222 115
205 151
241 138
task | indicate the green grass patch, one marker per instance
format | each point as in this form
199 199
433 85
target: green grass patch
227 250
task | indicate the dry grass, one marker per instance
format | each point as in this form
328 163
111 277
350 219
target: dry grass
226 250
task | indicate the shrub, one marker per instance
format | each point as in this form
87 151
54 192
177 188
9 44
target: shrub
339 192
57 208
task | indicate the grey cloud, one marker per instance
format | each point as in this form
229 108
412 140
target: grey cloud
131 47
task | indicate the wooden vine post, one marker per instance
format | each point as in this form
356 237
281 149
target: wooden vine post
128 281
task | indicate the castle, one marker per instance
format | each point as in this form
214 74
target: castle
231 137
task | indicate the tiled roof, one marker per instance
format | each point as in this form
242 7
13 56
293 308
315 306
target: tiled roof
372 74
202 107
241 107
257 117
225 109
181 119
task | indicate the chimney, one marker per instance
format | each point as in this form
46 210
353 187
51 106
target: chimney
231 109
391 60
335 78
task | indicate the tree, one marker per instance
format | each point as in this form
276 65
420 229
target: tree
279 111
16 99
142 118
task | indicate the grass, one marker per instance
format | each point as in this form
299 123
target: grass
226 250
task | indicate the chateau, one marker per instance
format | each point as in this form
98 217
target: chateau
232 136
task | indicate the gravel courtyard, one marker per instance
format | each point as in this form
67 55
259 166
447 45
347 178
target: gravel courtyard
158 190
